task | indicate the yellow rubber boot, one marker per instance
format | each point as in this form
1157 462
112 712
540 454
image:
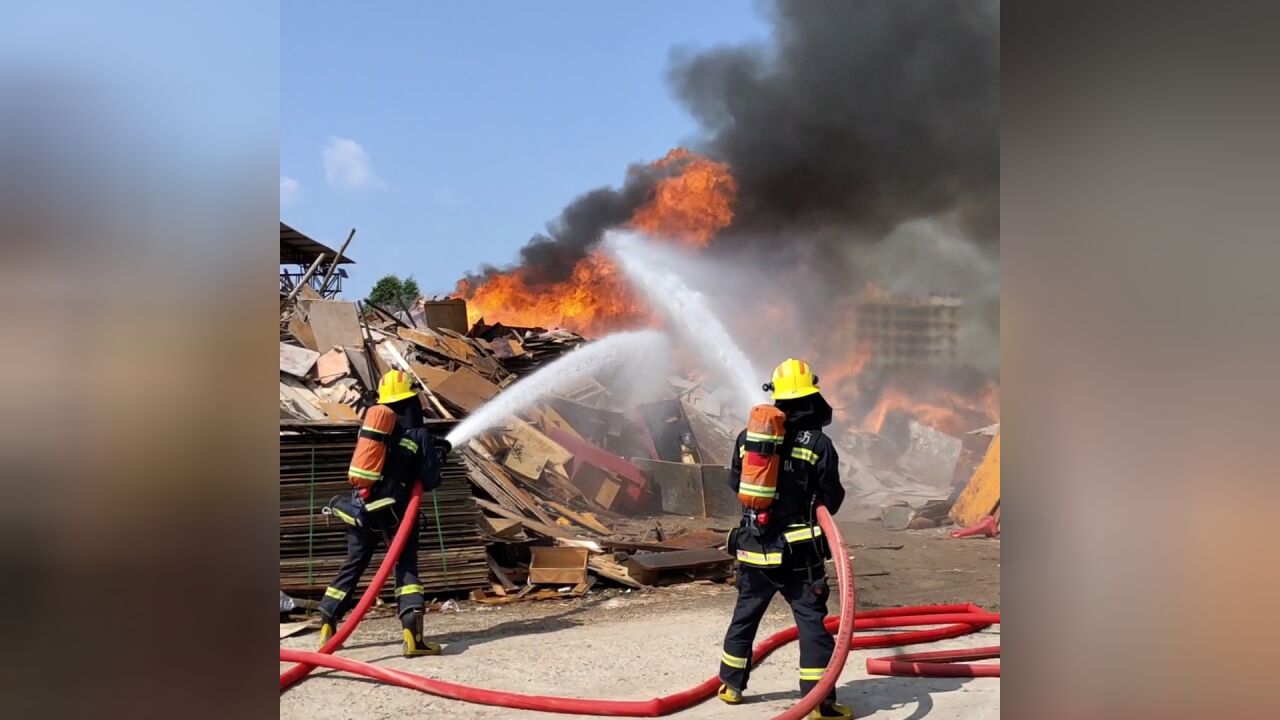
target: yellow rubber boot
414 646
832 710
326 632
729 694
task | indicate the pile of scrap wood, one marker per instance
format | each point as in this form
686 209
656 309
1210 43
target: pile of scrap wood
582 473
332 354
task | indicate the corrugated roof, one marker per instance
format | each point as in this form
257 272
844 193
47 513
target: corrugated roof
298 249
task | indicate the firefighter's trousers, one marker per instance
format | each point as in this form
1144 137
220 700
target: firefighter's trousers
806 591
361 544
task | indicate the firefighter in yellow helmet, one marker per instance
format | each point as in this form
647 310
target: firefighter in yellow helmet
394 448
785 553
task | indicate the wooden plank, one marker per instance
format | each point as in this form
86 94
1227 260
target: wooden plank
679 566
501 527
503 580
606 568
293 628
547 529
982 494
297 361
334 323
584 519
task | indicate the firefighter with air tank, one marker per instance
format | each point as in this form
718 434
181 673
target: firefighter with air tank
393 449
783 468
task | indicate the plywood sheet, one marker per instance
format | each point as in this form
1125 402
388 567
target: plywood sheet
525 434
467 389
431 375
297 361
981 496
431 341
332 366
334 323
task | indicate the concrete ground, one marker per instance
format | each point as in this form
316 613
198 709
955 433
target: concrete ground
638 645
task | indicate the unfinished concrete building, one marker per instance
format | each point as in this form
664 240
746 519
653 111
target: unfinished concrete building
908 331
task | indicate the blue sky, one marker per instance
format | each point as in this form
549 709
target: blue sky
449 133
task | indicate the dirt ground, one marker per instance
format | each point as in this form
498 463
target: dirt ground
640 644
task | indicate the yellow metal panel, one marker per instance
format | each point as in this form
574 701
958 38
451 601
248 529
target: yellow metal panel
982 494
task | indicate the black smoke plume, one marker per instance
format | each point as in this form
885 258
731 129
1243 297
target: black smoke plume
858 116
861 113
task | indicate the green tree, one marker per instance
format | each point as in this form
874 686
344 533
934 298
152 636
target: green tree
390 292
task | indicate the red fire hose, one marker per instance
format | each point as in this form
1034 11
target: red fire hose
966 618
940 663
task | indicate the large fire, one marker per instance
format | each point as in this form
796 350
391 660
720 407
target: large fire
691 206
592 301
688 207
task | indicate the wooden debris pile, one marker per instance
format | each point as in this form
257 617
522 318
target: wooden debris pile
578 473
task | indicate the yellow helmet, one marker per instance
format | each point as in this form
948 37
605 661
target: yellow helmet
792 379
395 385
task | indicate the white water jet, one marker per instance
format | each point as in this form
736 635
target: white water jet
688 311
594 357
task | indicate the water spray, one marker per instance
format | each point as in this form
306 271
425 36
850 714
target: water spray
687 309
607 352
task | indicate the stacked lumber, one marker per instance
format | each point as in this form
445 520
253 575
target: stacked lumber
313 469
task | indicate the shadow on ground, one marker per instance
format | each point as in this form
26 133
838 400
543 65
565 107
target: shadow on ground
869 695
460 642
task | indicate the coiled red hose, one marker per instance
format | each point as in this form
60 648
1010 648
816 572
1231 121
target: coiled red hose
966 618
939 663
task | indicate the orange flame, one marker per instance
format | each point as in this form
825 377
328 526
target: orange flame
689 207
692 205
941 409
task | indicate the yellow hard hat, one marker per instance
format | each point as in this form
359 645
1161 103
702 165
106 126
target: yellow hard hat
395 385
792 379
